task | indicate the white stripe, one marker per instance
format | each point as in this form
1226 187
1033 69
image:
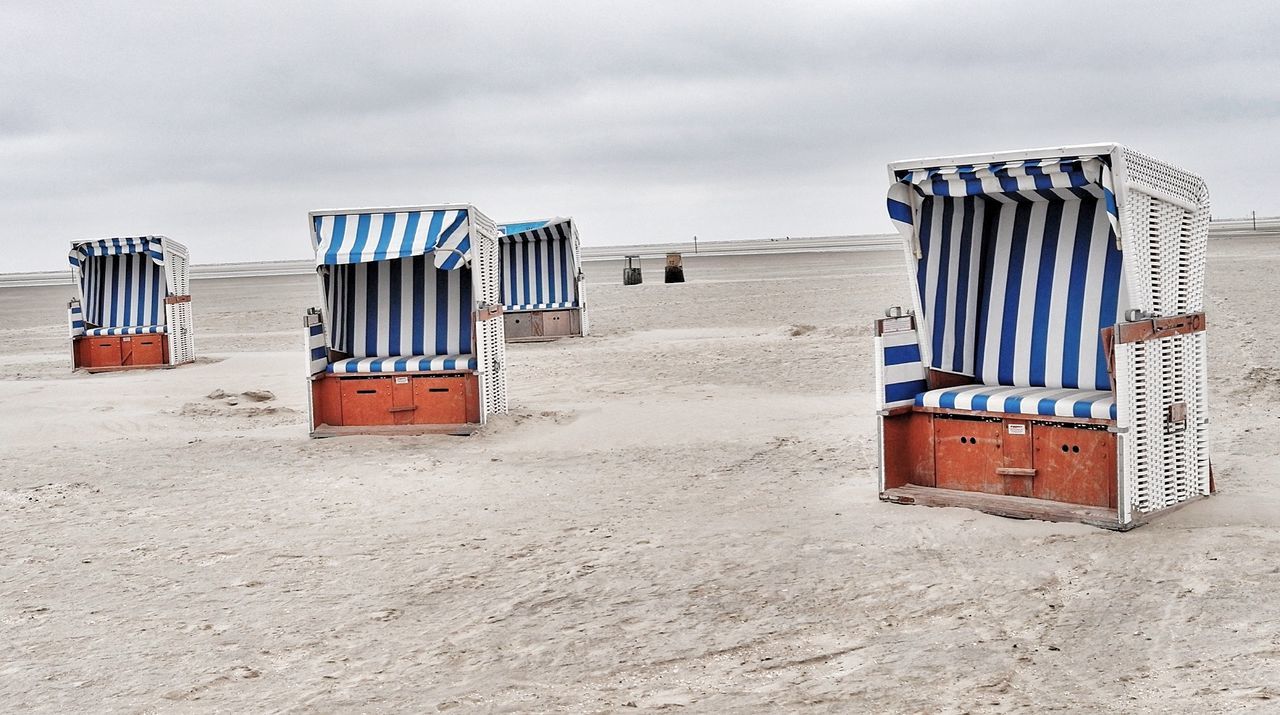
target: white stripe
995 304
953 258
933 259
1056 335
1093 298
905 372
1027 293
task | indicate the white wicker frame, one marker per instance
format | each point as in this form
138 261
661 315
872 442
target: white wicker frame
177 269
581 279
489 335
1164 230
1164 219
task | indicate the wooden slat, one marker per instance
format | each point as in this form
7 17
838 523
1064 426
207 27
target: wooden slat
1015 416
395 430
1007 506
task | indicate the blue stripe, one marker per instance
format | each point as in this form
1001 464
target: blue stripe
899 391
349 300
465 322
985 278
1107 310
1044 291
939 318
384 239
923 235
525 295
419 306
395 307
1075 296
442 315
1013 286
979 402
898 211
566 266
371 309
433 229
339 234
319 353
961 310
125 309
902 354
1110 198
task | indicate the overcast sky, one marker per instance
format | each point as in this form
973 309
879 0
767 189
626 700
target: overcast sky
221 124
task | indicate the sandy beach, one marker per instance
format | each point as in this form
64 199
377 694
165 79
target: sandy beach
680 512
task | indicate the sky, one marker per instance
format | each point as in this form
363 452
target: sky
221 124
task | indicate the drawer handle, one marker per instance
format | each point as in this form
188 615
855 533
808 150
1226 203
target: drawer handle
410 408
366 392
437 389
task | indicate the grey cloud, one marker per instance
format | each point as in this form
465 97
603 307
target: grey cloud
222 124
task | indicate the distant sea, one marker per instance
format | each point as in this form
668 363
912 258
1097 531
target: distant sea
1268 227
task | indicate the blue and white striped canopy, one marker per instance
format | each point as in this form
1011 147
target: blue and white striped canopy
150 245
368 236
1017 268
1056 179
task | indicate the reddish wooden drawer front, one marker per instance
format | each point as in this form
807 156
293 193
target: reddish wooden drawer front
142 349
440 400
1075 465
104 352
366 401
967 454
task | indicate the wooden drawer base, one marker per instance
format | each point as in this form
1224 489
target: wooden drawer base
542 324
403 399
1008 455
120 351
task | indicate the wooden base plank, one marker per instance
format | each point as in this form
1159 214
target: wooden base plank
1013 507
464 430
122 368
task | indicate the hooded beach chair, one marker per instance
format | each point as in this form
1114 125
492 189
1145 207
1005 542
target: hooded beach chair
134 304
410 338
542 282
1053 363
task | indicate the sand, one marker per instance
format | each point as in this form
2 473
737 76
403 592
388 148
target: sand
679 513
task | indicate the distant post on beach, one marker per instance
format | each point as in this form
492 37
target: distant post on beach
675 269
631 271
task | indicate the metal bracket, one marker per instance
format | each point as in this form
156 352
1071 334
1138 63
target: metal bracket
1176 416
488 311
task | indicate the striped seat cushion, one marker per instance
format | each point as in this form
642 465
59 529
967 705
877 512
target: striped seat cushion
131 330
415 363
1048 401
541 306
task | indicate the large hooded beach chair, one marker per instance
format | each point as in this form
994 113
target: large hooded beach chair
410 338
133 307
542 282
1053 362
